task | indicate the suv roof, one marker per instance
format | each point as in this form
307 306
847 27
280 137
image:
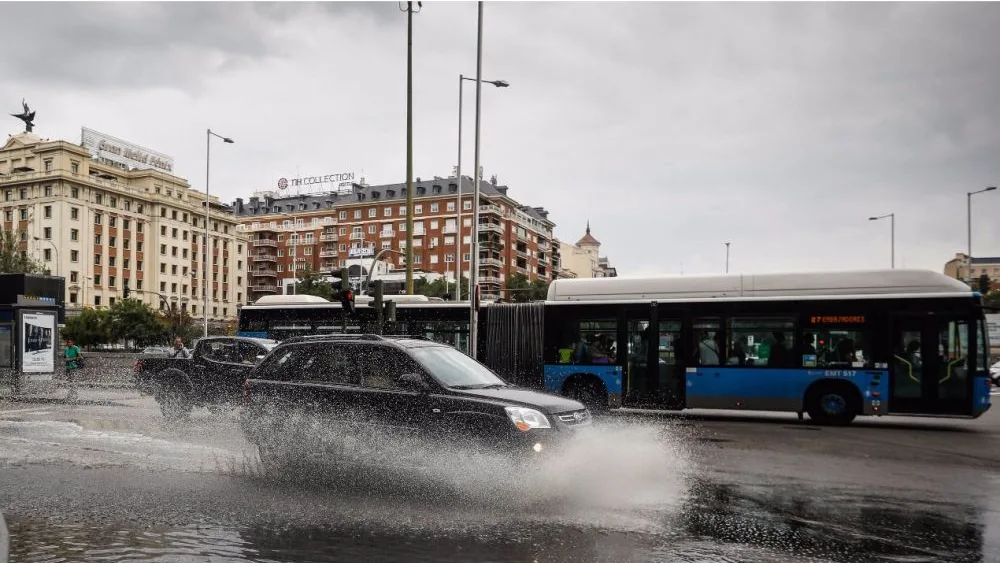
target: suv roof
403 341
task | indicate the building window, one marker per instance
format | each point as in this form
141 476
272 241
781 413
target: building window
418 209
111 281
126 223
74 255
97 240
449 258
97 301
434 208
97 218
74 213
357 213
97 279
48 232
24 214
125 263
48 191
47 253
74 167
450 206
138 227
97 259
434 258
113 221
112 241
113 202
126 243
163 250
372 212
467 205
138 268
371 229
74 277
74 193
99 199
387 212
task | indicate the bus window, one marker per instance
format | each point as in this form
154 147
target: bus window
596 342
711 342
952 367
835 347
762 342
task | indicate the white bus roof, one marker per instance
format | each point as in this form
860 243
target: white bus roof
293 300
289 299
811 284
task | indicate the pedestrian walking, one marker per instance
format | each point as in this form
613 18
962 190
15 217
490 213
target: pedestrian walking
74 360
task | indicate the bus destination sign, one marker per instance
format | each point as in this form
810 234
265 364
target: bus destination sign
837 319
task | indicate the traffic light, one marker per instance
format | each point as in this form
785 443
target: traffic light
390 311
126 291
346 295
378 287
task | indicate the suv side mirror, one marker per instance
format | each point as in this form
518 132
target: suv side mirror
413 382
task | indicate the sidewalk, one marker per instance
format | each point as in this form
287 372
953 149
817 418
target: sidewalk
93 396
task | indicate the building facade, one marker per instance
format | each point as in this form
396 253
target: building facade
584 260
962 268
323 231
105 226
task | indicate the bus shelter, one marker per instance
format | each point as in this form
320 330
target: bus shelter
31 311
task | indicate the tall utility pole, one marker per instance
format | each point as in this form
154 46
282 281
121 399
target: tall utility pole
474 264
968 259
409 145
204 243
727 257
458 205
892 240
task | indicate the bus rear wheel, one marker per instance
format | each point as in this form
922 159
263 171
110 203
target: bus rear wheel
590 392
832 404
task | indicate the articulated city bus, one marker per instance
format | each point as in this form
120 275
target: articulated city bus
833 345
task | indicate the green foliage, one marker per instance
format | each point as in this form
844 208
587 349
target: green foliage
137 324
311 282
90 328
519 289
12 259
440 288
992 299
180 323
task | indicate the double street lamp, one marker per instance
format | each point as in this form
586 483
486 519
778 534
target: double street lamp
54 247
892 219
204 243
475 183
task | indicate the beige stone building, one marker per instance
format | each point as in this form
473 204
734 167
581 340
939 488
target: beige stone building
88 216
583 259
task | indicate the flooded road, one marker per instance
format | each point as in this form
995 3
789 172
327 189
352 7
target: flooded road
109 480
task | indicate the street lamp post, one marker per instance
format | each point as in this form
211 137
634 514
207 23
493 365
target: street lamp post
892 219
727 257
968 200
204 243
458 208
474 259
54 247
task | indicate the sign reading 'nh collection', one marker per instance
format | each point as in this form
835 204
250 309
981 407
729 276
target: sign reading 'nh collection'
123 153
342 180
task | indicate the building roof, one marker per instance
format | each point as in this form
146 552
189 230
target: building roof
588 239
985 260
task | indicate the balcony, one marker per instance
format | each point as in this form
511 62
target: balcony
449 230
265 242
522 253
265 258
386 234
264 272
490 228
264 288
490 209
543 260
326 253
419 233
328 237
357 236
490 279
490 262
542 245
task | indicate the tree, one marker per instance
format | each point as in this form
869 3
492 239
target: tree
137 323
440 288
89 328
311 282
180 324
992 299
519 289
13 260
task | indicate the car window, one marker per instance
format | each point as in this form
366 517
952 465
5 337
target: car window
381 366
454 369
248 353
326 363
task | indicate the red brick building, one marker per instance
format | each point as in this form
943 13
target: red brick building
291 232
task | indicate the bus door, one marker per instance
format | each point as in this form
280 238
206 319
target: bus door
930 365
654 374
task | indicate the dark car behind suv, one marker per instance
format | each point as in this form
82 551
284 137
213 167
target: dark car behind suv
361 385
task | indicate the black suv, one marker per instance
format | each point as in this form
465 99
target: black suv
358 385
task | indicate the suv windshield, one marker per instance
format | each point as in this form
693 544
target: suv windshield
454 369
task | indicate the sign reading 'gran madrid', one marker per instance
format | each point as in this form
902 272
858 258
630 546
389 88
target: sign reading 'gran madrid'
123 153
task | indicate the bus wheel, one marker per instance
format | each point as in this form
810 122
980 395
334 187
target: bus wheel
589 391
832 404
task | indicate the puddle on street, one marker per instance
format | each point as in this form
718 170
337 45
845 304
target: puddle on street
713 522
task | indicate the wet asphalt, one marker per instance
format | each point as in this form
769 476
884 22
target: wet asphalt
107 479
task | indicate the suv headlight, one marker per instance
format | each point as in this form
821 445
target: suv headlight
526 419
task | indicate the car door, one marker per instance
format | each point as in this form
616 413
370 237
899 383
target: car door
388 407
220 372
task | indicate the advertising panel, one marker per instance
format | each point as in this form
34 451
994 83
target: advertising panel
123 153
38 333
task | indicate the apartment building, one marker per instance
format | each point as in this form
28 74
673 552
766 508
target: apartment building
969 270
106 214
321 230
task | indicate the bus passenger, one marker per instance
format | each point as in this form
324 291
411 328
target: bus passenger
708 350
598 350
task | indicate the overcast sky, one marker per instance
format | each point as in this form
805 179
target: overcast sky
671 127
